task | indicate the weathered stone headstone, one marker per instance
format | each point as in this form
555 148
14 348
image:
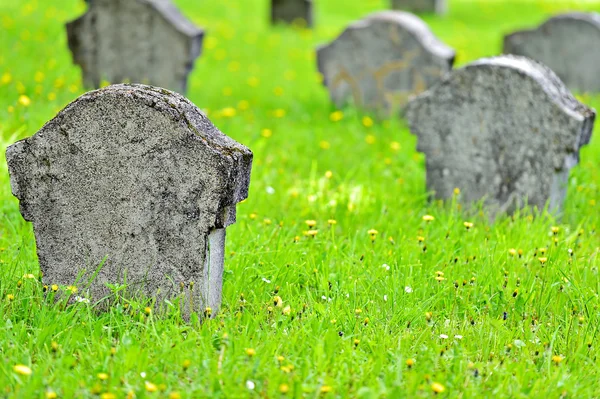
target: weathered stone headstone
420 6
569 44
137 176
289 11
503 129
382 60
138 41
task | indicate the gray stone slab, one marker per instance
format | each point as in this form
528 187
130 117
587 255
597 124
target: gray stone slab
139 177
420 6
503 129
288 11
379 62
137 41
569 44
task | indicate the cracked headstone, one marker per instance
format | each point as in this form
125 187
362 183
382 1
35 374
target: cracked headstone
137 179
503 129
420 6
289 11
381 61
137 41
569 44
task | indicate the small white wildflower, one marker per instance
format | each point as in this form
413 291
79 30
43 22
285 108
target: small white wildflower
408 289
270 190
81 299
143 374
385 298
457 336
386 266
519 343
250 385
266 280
443 336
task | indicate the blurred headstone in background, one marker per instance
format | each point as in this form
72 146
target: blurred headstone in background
380 61
290 11
420 6
138 179
569 44
138 41
503 129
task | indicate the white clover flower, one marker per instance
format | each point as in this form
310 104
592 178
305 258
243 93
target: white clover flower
408 289
443 336
250 385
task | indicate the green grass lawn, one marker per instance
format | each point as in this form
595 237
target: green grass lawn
508 309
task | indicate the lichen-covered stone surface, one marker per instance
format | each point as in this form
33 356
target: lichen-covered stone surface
420 6
503 129
136 41
138 177
288 11
381 61
569 44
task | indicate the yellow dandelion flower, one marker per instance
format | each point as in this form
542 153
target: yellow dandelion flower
428 218
331 222
280 358
512 252
367 121
287 310
24 100
428 315
357 311
228 112
51 395
266 133
10 297
250 352
356 342
420 238
253 81
6 78
72 289
555 229
284 388
310 223
395 146
207 311
556 359
543 259
410 363
336 116
108 395
456 191
329 174
467 225
29 275
54 287
440 278
22 369
277 301
150 387
326 389
147 310
436 387
243 105
324 145
370 139
102 376
279 113
311 233
174 395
